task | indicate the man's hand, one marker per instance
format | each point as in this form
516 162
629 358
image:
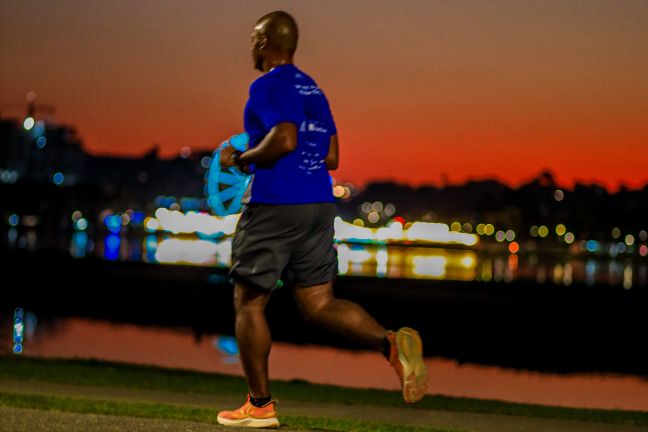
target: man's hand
226 160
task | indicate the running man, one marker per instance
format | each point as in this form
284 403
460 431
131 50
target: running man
286 229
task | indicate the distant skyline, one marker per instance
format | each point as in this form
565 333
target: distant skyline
422 91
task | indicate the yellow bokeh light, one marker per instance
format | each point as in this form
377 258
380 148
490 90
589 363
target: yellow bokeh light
468 261
151 224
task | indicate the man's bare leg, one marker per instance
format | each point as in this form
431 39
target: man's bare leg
403 348
253 336
320 307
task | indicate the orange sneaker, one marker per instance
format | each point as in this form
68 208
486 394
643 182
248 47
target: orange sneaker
251 416
406 356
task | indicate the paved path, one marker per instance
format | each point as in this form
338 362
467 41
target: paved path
36 420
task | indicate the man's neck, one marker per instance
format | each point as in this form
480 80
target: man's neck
278 62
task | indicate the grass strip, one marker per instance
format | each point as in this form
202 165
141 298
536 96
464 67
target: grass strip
120 375
202 415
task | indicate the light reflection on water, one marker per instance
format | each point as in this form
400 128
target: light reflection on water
180 348
393 261
380 261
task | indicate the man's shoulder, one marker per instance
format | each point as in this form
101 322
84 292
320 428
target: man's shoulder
267 82
300 75
260 83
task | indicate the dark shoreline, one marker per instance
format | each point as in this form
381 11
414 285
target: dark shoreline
521 324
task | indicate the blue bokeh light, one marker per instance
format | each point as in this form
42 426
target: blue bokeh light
137 219
14 220
18 330
111 247
592 246
227 345
151 244
79 245
58 178
113 223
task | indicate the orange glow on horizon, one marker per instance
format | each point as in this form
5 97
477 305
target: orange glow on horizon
466 91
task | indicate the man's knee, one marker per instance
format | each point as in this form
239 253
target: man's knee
248 298
313 302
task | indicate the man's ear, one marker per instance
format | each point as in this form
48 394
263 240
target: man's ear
263 42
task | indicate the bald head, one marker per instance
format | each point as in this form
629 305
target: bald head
281 30
274 40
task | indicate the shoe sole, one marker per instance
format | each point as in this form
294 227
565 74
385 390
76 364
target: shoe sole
272 422
410 355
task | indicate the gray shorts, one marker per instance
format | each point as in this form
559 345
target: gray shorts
291 243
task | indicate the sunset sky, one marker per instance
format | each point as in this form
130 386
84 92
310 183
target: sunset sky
420 90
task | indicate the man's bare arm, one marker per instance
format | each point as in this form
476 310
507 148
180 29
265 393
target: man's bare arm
281 140
332 157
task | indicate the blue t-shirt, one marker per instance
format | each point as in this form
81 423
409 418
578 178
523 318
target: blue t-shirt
286 94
